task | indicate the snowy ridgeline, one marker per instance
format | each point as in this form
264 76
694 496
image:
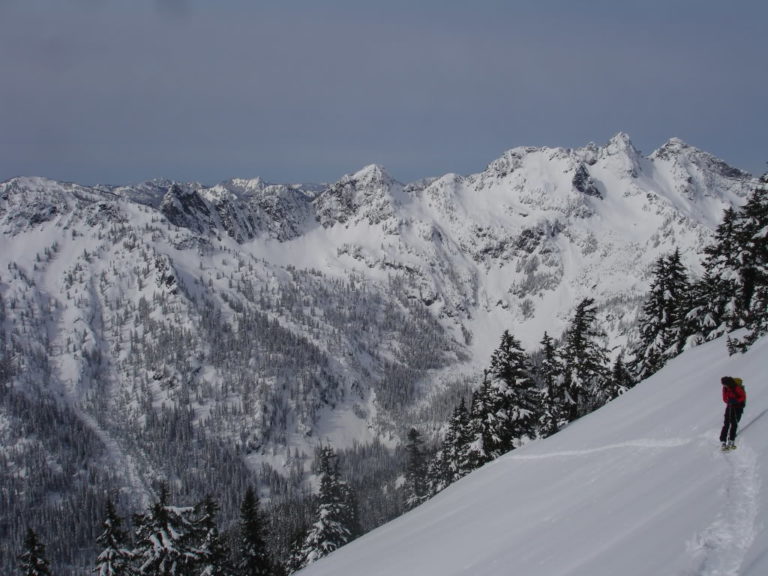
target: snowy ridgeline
639 487
213 336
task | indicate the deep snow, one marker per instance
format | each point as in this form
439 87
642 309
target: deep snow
639 487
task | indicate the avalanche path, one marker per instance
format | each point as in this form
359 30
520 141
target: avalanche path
68 367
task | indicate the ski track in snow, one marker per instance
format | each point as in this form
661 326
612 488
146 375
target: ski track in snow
640 443
720 548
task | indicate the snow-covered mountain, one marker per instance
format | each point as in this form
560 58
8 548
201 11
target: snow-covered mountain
639 487
242 324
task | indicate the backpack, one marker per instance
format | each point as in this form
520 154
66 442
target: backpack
740 383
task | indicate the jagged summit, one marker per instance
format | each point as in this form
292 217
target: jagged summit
371 174
621 143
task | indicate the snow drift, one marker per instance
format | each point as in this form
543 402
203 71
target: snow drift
639 487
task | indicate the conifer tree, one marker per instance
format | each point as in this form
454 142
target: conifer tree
621 378
211 553
721 262
165 539
254 557
32 560
734 290
523 402
618 382
452 460
550 374
706 314
116 556
416 471
585 361
330 530
663 324
484 427
506 408
752 265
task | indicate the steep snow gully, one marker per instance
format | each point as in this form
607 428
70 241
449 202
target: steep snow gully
638 488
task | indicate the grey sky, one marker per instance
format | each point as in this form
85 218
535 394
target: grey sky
119 91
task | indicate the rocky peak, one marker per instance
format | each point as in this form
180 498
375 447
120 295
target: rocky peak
678 152
623 155
369 194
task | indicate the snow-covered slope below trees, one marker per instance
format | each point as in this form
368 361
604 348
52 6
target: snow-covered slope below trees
639 487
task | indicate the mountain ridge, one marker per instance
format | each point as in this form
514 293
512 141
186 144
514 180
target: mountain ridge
243 324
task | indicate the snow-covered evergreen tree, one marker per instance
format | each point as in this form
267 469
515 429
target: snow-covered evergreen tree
750 273
585 361
330 530
523 399
507 407
619 381
452 460
115 557
165 539
212 555
484 427
550 375
734 290
621 378
705 318
663 324
254 559
32 560
416 471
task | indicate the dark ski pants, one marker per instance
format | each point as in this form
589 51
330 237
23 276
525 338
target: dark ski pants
731 419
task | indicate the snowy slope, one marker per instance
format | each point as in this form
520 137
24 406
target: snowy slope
639 487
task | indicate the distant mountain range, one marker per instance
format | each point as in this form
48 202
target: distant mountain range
271 317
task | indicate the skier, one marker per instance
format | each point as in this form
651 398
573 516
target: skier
735 399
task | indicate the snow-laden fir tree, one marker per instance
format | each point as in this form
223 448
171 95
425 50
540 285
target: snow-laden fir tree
506 408
331 529
520 398
585 361
165 539
212 555
452 460
550 375
485 425
415 487
734 290
747 266
663 323
115 558
32 560
621 378
254 559
705 317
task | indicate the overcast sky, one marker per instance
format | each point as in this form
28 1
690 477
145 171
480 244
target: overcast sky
120 91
